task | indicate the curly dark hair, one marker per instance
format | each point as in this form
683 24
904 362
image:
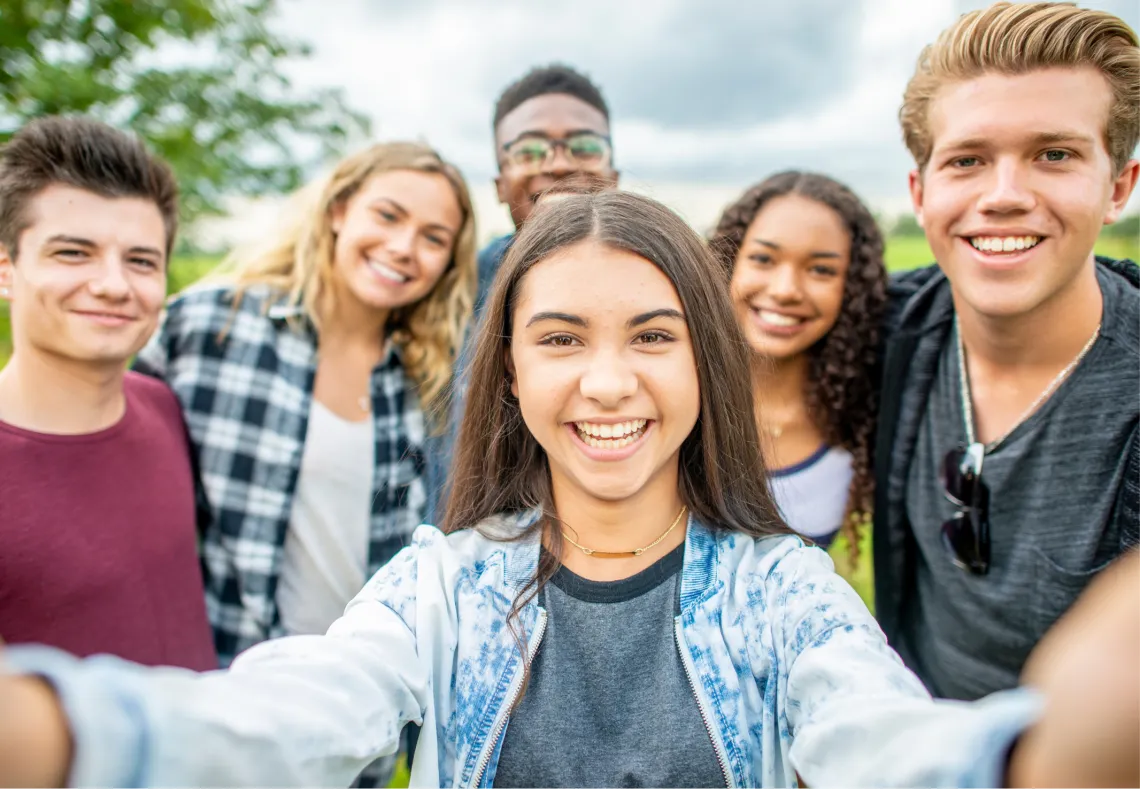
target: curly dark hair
842 396
544 80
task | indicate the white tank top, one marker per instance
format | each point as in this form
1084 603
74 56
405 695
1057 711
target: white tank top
812 495
326 547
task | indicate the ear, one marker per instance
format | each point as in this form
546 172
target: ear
916 194
336 216
501 189
6 265
513 379
1122 190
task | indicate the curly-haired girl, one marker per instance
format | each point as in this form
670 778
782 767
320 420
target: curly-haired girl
809 285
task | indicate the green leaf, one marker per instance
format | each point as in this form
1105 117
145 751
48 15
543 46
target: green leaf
202 81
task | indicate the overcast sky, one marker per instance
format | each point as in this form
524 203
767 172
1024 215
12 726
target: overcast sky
706 96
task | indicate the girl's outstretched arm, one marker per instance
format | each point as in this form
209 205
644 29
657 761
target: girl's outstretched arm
305 710
1088 669
856 715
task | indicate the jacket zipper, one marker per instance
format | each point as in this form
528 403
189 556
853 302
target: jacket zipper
721 760
516 687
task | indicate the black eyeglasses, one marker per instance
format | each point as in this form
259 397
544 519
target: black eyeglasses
586 150
967 534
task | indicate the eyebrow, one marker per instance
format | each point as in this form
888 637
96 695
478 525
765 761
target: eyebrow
1051 137
535 133
823 254
403 211
88 243
571 133
1040 138
561 317
577 320
646 317
76 240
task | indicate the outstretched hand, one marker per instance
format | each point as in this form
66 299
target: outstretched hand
1088 668
35 743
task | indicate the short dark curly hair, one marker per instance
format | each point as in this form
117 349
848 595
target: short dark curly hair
544 80
842 395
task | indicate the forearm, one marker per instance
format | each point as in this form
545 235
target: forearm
889 740
859 717
35 743
311 710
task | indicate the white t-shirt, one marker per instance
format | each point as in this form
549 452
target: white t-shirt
812 495
326 547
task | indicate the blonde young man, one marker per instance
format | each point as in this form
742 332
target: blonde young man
1007 452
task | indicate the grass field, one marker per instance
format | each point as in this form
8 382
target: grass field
907 252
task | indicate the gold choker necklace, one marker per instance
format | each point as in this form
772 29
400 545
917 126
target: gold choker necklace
635 551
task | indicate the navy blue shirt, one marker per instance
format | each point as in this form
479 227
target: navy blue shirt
440 448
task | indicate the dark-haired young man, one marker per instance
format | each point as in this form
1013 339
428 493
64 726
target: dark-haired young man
98 550
549 125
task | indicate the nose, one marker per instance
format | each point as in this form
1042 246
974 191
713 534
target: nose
401 242
110 282
608 379
559 162
1007 189
784 284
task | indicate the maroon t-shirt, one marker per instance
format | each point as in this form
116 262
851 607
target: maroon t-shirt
98 539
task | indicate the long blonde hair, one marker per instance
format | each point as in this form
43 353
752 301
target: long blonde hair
298 262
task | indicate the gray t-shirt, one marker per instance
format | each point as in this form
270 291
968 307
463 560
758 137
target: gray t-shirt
1053 486
608 702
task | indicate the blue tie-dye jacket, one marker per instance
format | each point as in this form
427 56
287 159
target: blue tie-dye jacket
791 673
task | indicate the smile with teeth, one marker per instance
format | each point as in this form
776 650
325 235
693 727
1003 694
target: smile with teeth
386 272
778 318
1004 243
610 436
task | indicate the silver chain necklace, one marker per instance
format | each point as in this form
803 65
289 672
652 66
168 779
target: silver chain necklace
967 400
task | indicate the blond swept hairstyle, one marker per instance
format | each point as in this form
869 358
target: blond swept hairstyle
1015 38
298 263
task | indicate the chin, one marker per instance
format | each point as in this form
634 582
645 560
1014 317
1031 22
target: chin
605 486
1001 302
776 353
102 356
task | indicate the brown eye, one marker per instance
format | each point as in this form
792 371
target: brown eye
558 340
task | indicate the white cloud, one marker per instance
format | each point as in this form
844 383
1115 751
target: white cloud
432 70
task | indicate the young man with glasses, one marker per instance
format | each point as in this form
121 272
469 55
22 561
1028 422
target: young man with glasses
1007 457
549 125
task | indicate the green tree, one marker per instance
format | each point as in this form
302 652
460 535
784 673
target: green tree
907 226
1127 227
200 80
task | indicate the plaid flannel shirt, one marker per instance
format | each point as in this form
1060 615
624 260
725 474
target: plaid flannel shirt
246 397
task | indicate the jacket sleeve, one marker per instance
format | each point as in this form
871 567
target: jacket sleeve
901 286
1128 498
858 716
297 711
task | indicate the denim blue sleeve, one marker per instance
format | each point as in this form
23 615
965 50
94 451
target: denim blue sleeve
296 711
857 716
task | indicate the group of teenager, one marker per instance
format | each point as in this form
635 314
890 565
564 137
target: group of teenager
638 448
